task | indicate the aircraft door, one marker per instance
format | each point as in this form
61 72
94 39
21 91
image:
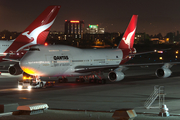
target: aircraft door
91 60
51 60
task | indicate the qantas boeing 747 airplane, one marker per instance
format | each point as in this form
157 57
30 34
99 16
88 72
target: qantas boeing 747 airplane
63 61
35 33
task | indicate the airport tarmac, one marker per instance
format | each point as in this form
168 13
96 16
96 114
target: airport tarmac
71 101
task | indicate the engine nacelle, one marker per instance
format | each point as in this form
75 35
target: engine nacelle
163 72
115 76
15 70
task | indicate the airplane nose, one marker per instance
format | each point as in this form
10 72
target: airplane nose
25 65
23 62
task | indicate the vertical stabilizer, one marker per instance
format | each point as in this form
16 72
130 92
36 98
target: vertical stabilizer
37 31
128 37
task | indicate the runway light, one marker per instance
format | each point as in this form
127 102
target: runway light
177 51
161 58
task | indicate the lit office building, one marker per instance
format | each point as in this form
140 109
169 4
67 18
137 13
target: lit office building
74 29
94 29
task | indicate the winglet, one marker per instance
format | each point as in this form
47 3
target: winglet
127 40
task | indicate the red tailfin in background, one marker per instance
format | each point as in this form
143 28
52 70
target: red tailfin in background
128 37
38 30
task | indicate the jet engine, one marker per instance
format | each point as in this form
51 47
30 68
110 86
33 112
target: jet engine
163 72
15 70
115 76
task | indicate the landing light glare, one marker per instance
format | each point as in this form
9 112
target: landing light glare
161 58
19 87
29 87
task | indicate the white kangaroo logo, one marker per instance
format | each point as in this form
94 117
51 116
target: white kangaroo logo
35 33
127 40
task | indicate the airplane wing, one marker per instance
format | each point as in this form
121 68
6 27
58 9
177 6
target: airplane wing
84 69
8 59
131 65
140 53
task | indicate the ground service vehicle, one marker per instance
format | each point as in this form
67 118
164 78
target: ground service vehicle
32 82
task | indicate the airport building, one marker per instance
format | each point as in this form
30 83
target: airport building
74 29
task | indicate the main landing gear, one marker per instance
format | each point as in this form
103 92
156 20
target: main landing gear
63 80
82 79
99 81
91 79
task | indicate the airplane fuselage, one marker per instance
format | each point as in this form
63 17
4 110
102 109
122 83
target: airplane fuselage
4 46
7 48
61 60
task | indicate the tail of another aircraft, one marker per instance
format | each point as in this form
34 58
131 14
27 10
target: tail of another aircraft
128 37
38 30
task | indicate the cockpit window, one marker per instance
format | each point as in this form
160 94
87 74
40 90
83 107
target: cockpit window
34 49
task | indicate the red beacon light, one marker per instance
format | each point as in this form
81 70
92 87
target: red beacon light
45 44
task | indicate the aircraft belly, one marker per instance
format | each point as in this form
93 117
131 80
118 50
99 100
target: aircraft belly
53 71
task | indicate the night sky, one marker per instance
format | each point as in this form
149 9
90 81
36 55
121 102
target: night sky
155 16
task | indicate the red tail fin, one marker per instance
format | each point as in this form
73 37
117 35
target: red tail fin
128 37
38 30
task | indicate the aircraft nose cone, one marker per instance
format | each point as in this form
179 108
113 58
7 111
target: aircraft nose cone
25 65
21 63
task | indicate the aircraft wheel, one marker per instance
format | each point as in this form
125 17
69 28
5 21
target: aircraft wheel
99 81
89 80
78 80
60 80
103 81
41 85
65 80
92 80
82 80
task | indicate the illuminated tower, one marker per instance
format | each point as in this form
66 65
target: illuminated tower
74 29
